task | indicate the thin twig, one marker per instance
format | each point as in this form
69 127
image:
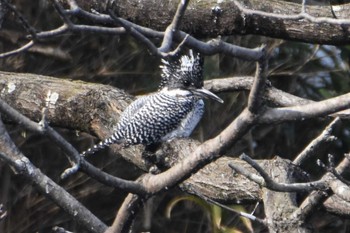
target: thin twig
311 149
240 213
255 99
17 51
19 118
23 20
112 181
314 199
139 36
173 27
332 169
62 13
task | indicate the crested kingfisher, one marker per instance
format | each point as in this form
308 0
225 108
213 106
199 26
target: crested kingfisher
171 112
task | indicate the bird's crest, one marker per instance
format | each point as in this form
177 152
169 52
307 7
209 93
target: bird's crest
183 71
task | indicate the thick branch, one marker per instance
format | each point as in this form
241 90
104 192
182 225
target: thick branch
211 18
317 109
266 181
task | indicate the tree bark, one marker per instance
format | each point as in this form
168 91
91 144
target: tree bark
279 206
213 18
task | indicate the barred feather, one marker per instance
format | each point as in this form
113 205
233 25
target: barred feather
172 112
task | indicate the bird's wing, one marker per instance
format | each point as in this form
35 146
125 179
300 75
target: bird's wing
131 110
157 116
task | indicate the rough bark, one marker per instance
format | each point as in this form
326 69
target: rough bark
279 206
213 18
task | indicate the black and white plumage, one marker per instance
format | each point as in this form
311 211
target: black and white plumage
172 112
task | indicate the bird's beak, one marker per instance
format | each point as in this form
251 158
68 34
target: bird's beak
207 94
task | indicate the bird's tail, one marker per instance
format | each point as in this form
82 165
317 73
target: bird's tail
103 144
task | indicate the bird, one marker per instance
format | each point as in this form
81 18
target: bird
171 112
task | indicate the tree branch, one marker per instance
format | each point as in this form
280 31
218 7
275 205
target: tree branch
46 186
313 201
314 146
266 181
258 88
126 214
278 19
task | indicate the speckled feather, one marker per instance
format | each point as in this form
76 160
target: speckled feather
182 72
160 114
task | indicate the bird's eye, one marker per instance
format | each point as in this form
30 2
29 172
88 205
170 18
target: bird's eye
186 83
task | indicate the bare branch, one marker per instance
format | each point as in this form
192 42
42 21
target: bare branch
139 36
325 136
17 51
315 198
303 3
46 186
272 95
19 118
243 214
44 129
126 214
26 26
317 109
112 181
267 182
61 13
207 48
341 189
258 87
332 169
173 27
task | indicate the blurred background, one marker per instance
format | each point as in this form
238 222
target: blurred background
310 71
